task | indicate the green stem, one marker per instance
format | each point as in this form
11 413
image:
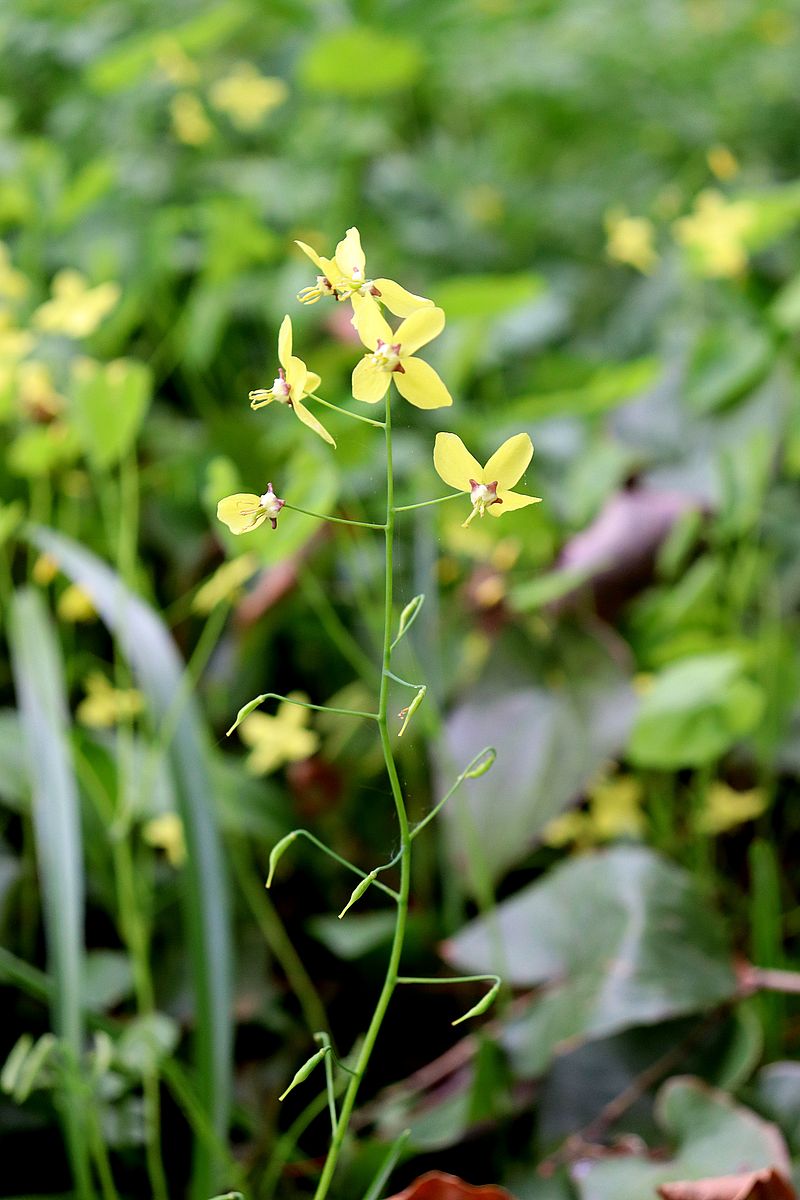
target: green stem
390 981
427 503
346 412
335 520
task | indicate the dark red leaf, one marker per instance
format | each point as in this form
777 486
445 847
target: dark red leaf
438 1186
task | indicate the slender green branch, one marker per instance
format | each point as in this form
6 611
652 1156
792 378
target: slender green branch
325 1041
335 520
476 1009
246 709
404 682
346 412
343 862
425 503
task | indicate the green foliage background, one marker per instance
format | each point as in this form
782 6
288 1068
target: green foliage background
605 200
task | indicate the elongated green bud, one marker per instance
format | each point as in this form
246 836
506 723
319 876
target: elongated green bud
482 1004
245 711
277 851
481 763
408 616
306 1069
358 891
407 713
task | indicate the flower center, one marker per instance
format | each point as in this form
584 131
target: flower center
482 495
323 287
387 356
280 388
271 505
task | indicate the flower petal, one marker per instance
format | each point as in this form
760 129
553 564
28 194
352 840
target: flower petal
420 385
350 258
285 341
311 253
312 382
511 502
453 461
398 300
370 325
370 383
296 375
302 414
507 465
420 328
241 512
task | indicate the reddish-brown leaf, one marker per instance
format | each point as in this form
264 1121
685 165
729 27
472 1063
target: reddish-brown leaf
438 1186
755 1185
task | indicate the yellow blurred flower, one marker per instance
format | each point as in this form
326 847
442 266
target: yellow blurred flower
104 705
614 811
722 163
75 310
246 96
166 833
726 808
75 605
484 203
14 343
44 570
13 284
631 240
281 739
715 234
293 384
174 63
189 120
489 487
37 395
224 584
391 357
244 511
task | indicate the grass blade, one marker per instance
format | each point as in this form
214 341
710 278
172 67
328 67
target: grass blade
158 668
39 681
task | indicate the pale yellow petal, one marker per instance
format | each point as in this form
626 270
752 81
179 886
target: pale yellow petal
511 502
370 383
350 258
398 300
312 382
508 464
296 375
420 328
420 385
360 305
453 461
372 327
302 414
294 715
311 253
241 512
285 341
257 728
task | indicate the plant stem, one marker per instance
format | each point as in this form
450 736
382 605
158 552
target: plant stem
390 982
346 412
336 520
427 503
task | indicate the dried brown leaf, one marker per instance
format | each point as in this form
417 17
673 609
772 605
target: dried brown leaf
767 1184
438 1186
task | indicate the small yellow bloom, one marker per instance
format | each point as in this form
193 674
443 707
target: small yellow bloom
723 164
615 808
246 96
344 277
13 284
174 63
14 343
189 120
391 357
715 234
104 705
489 487
75 604
166 833
294 383
224 584
283 738
44 570
726 808
631 240
75 310
37 395
244 511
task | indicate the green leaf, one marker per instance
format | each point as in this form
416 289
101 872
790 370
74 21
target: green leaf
109 403
361 62
352 939
487 296
609 386
728 361
657 951
696 711
151 652
714 1137
107 979
145 1041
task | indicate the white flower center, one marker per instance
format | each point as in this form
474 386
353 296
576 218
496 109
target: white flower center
386 356
281 389
270 503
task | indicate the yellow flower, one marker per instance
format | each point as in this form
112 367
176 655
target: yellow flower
293 384
174 63
344 277
224 584
75 604
44 570
244 511
630 240
723 164
726 808
489 487
189 120
166 833
36 392
715 234
246 96
13 284
280 739
105 705
391 357
14 343
615 809
75 310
